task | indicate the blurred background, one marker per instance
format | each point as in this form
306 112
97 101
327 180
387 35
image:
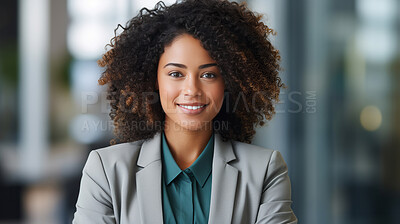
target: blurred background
337 125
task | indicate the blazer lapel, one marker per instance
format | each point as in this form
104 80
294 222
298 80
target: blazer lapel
224 181
148 181
223 187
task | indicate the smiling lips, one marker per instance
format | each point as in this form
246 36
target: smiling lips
193 108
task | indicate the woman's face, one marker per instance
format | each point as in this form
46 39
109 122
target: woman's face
190 84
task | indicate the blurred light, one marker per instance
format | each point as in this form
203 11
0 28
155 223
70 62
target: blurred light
373 11
84 76
377 35
87 40
371 118
34 33
377 44
87 128
89 8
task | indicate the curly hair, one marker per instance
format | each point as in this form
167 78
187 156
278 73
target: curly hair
235 38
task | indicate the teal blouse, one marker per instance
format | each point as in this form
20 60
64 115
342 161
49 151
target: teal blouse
186 193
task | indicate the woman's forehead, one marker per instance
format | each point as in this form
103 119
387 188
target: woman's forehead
185 49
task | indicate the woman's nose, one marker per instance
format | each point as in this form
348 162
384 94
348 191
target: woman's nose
191 86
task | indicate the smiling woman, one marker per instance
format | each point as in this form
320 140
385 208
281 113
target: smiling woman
190 84
200 74
191 92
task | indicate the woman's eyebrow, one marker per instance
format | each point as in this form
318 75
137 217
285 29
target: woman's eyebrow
207 65
184 66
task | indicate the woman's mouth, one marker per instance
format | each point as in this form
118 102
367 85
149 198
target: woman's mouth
192 109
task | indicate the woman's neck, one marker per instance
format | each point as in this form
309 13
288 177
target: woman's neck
186 145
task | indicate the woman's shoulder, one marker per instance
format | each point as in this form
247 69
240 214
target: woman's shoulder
250 150
121 153
250 155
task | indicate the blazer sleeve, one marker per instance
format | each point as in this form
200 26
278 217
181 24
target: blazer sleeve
275 204
94 203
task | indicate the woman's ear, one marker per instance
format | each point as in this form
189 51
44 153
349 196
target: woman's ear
156 85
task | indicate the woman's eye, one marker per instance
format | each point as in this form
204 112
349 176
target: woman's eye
175 74
209 75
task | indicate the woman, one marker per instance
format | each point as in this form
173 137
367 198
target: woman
187 85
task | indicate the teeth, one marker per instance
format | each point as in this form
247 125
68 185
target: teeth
192 107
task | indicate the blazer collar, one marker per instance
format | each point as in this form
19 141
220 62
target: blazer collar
224 181
201 168
151 150
223 187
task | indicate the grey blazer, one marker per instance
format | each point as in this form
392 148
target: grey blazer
122 184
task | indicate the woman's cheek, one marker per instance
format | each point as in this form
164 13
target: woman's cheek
168 98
